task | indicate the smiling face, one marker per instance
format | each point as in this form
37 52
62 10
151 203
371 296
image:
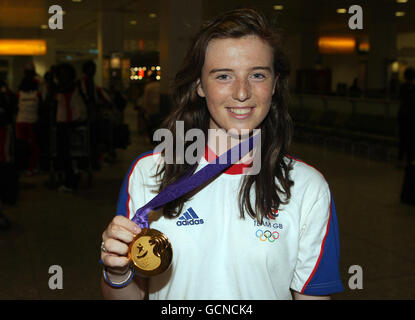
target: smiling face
238 81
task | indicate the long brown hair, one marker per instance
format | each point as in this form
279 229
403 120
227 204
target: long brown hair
272 184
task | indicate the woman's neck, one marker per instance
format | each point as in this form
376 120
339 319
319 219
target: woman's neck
219 141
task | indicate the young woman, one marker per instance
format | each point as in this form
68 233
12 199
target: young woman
271 235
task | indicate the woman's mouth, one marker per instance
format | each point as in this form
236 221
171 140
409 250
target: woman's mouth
241 113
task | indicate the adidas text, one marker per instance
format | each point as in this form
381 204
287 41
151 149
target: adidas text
189 222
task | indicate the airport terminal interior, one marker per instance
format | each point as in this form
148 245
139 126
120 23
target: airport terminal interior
349 61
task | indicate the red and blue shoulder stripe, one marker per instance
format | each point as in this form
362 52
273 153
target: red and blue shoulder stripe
325 277
124 196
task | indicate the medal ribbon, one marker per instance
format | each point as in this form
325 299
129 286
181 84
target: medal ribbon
190 182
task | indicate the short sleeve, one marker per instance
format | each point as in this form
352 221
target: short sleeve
317 267
132 193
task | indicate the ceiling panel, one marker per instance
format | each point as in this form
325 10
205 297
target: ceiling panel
24 17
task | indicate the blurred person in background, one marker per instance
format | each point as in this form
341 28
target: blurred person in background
70 112
151 105
354 90
95 100
8 103
47 116
120 130
138 106
406 116
7 114
29 100
406 121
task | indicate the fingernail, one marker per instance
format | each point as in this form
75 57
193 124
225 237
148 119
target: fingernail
137 230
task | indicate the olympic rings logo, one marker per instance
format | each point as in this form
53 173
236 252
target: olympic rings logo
267 235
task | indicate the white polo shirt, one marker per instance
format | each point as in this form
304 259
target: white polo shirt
217 255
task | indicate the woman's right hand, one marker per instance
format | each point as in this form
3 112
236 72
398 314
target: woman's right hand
117 237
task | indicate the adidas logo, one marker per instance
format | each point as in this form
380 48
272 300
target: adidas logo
189 218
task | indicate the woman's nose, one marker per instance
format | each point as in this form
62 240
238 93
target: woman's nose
241 90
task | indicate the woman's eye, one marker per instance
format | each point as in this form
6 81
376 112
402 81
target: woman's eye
223 77
258 76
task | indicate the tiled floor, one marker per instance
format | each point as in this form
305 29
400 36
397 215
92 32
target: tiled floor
50 228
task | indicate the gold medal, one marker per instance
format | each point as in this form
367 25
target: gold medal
151 252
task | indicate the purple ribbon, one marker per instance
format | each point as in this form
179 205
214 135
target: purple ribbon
190 182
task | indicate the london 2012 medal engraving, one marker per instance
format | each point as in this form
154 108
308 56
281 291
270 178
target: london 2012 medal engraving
151 252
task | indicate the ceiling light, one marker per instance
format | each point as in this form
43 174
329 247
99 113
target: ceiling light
26 47
399 13
133 22
152 15
43 26
278 7
76 0
336 45
341 10
401 1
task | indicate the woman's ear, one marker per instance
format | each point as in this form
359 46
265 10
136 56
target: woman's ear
199 89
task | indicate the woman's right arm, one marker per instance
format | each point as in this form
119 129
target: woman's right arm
117 238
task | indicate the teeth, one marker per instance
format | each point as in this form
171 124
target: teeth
240 111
